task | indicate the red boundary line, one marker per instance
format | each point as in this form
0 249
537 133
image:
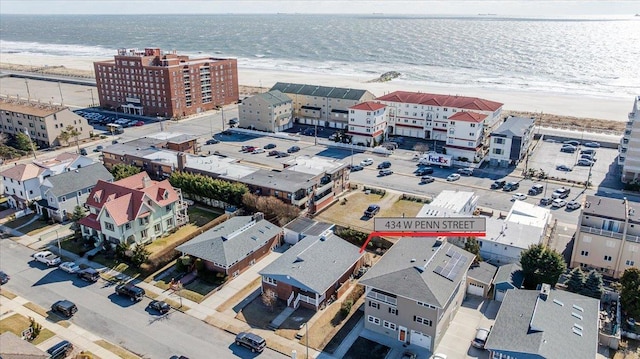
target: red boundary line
421 234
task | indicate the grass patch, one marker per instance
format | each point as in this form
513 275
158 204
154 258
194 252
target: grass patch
250 288
19 221
36 227
365 348
201 287
119 351
160 244
7 294
192 296
292 325
17 323
257 315
351 213
402 207
36 308
175 304
200 216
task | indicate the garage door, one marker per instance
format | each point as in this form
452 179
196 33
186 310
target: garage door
500 295
475 289
421 340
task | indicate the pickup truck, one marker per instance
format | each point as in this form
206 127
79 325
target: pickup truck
47 258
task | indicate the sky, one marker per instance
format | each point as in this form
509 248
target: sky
454 7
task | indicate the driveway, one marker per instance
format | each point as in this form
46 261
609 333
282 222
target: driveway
474 313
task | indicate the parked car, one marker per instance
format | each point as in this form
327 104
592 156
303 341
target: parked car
356 168
498 184
4 277
83 151
545 201
233 121
573 205
519 197
258 150
139 123
211 141
481 338
372 210
385 172
160 306
563 168
282 154
427 179
453 177
384 164
89 274
568 149
366 162
251 341
248 148
572 142
273 153
269 146
60 350
65 307
558 203
585 162
293 149
588 151
47 258
424 171
561 193
536 189
511 186
592 144
134 293
408 355
588 157
69 267
466 171
98 149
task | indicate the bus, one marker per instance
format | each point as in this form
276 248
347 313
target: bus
115 129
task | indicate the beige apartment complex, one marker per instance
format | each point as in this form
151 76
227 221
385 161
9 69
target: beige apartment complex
41 121
629 148
270 111
608 236
153 83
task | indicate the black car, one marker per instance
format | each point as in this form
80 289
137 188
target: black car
60 350
134 293
545 201
384 164
269 146
89 274
282 154
98 149
424 171
563 168
385 172
212 141
568 149
372 210
4 277
83 151
572 142
511 186
273 153
65 307
252 341
589 151
498 184
293 149
536 189
356 168
160 306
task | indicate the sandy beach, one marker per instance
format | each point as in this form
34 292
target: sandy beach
613 109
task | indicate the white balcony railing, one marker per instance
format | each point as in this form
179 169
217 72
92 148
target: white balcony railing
611 234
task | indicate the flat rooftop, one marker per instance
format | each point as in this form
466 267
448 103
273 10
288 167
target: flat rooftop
313 165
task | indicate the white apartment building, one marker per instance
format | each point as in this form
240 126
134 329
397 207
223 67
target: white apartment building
629 148
367 123
465 136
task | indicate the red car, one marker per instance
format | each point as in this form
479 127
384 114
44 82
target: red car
139 123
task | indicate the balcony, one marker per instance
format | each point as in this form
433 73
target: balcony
299 201
324 187
610 234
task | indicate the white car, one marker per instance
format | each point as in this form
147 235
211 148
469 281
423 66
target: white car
367 162
519 197
453 177
258 150
70 267
573 205
558 203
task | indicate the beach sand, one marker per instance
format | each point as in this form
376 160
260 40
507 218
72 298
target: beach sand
560 108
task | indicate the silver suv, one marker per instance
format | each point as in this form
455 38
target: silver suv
252 341
561 193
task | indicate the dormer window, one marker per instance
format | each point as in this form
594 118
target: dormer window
96 197
165 195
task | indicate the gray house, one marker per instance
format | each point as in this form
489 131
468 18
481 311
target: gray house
509 276
235 244
270 111
312 271
545 324
415 290
480 279
301 227
61 193
510 142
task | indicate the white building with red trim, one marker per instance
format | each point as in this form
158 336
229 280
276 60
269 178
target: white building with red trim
367 123
465 136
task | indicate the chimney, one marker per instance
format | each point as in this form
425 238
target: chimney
182 161
258 216
545 289
146 182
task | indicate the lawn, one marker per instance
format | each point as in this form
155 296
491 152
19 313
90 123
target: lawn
257 315
365 348
120 352
201 216
19 221
292 325
337 339
243 293
17 323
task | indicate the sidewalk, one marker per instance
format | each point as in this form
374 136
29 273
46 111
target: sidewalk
205 311
75 334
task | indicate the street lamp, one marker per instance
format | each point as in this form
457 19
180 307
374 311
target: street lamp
33 149
306 327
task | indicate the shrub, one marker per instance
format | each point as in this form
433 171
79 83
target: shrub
345 308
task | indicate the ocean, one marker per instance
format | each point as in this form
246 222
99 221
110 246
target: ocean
582 56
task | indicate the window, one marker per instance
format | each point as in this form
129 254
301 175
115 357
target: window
389 325
157 228
421 320
127 226
373 304
168 208
144 221
629 263
270 280
144 233
607 258
426 305
584 253
108 226
374 320
393 311
498 140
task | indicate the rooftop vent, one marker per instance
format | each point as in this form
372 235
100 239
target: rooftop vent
545 289
577 307
576 315
556 301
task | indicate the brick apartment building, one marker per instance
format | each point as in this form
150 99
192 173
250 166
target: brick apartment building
155 83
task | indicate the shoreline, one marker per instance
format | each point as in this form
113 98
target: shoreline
539 104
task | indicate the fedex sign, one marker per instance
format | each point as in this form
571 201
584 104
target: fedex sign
438 159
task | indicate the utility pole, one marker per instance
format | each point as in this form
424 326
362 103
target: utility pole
222 110
26 82
33 149
93 104
60 89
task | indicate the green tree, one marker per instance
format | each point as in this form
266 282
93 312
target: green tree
68 133
24 142
207 187
593 286
122 170
64 137
471 245
630 292
576 280
541 264
78 213
140 255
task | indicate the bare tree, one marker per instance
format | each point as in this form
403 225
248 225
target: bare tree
4 139
421 148
269 299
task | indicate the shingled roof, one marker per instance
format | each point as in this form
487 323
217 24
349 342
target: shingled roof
72 181
319 91
22 172
463 102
